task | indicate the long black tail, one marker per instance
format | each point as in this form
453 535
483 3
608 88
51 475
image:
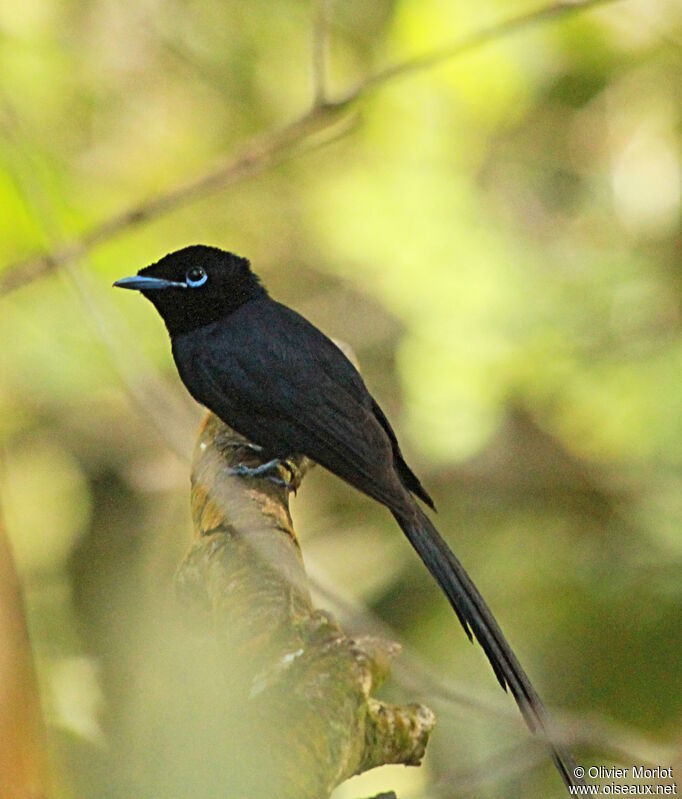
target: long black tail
476 618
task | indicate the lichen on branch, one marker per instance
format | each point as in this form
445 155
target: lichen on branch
302 690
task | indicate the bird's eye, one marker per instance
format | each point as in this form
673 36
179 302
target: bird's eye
196 277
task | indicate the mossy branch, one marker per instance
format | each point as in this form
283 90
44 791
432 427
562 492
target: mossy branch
306 683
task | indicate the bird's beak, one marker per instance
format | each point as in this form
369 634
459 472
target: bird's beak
140 283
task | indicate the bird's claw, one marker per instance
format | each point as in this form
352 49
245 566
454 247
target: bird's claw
268 470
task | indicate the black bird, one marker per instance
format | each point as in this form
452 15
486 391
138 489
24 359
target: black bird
275 378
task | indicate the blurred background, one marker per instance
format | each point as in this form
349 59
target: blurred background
496 236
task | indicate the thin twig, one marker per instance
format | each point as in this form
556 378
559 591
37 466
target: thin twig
513 762
272 148
261 153
412 673
319 51
468 44
162 408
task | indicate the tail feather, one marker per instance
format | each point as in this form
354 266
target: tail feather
476 618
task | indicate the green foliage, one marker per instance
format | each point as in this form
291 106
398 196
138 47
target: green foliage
497 237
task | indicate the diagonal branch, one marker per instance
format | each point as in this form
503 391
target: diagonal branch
610 738
471 42
278 145
260 154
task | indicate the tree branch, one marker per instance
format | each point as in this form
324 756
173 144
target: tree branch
260 154
468 44
280 144
307 684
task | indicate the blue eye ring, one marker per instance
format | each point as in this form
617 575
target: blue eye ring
195 277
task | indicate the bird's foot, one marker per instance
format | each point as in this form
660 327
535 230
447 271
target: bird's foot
270 470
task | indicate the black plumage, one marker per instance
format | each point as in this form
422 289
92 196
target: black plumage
275 378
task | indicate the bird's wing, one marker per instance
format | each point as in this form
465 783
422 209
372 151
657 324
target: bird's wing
286 386
330 360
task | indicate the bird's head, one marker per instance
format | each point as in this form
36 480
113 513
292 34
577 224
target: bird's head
195 286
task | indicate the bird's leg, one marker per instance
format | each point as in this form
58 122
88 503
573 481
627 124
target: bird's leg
269 470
